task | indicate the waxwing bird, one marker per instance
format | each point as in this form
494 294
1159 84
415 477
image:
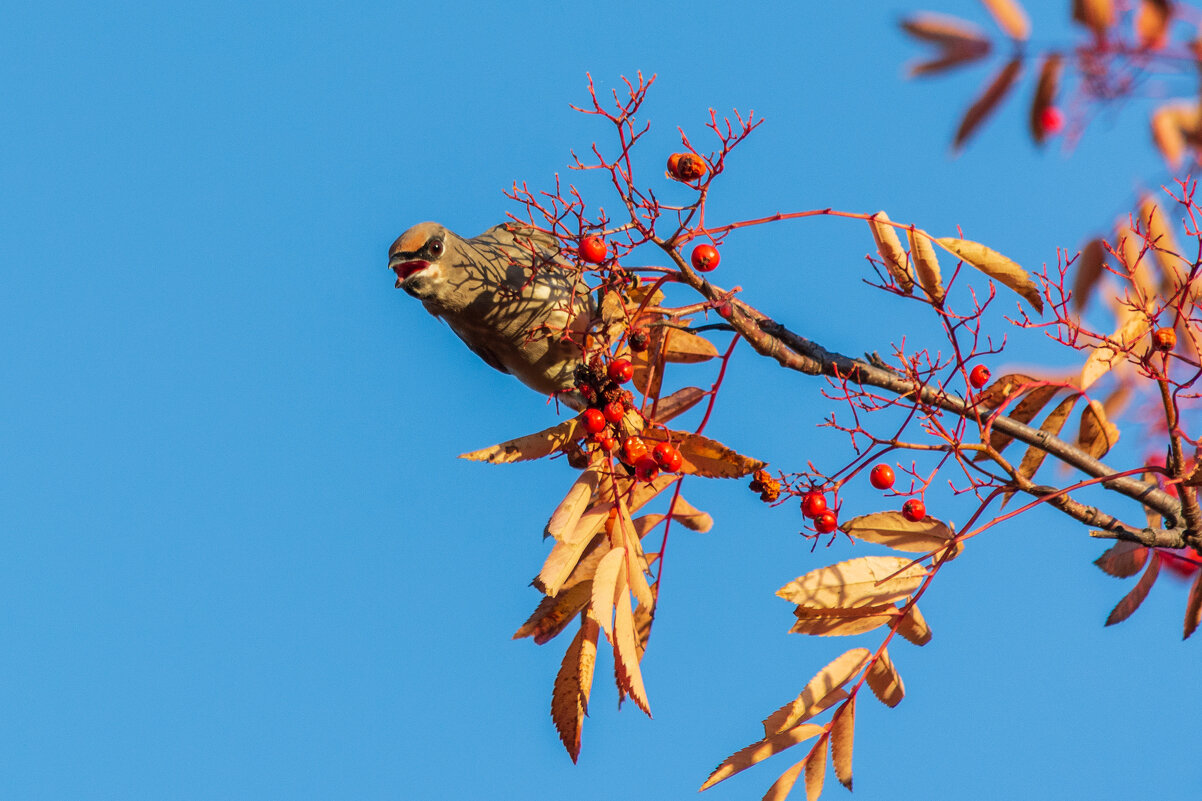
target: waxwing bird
507 293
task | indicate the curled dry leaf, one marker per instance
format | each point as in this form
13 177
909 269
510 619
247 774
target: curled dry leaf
914 627
926 264
684 513
1123 559
889 247
569 696
842 622
843 729
553 614
760 750
987 103
1139 592
1045 94
1026 410
1104 357
531 446
1011 18
1002 390
885 682
1097 435
996 266
867 581
818 692
567 514
816 769
781 788
892 529
1193 607
1097 15
1152 23
1089 270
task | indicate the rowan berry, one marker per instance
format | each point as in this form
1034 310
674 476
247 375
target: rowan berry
705 258
1165 339
1051 120
979 376
645 468
606 443
914 510
686 166
826 522
593 249
813 503
614 412
620 371
667 457
881 476
639 340
594 421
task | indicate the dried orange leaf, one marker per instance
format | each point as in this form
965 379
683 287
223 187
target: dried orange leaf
565 517
948 59
552 615
816 769
1173 125
945 31
1152 23
1097 15
1002 390
1106 356
569 698
926 264
1045 94
678 403
781 788
867 581
843 729
626 658
1193 607
1089 270
895 531
1097 435
643 617
815 696
1024 412
684 347
605 589
842 622
1052 424
1165 250
531 446
691 518
559 565
996 266
1139 592
985 105
703 456
914 627
1123 559
760 750
1011 18
885 682
889 247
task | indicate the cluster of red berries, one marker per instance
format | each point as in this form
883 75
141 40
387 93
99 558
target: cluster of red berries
881 476
767 486
813 506
686 166
608 406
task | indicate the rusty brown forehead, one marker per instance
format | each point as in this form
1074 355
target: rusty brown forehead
414 239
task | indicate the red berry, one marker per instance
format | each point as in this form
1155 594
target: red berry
593 249
979 376
594 421
639 340
614 412
686 166
914 510
606 443
826 522
620 371
813 503
1051 120
667 457
881 476
705 258
1165 339
645 468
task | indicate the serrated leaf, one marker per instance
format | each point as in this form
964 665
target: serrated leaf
605 589
926 264
1123 559
684 347
843 729
678 403
1097 435
567 514
1045 94
884 681
817 694
990 98
1193 607
816 769
760 750
867 581
569 697
1089 270
781 788
553 614
893 530
996 266
914 627
841 622
891 252
531 446
703 456
626 659
1139 592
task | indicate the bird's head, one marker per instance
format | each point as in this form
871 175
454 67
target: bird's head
417 258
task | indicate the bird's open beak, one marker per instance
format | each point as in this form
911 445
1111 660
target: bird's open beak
404 269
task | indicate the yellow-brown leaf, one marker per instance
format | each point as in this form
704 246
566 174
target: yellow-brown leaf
1052 424
1193 607
843 729
567 515
1024 412
1104 357
892 529
990 98
1045 94
945 31
815 697
703 456
841 622
1173 125
1011 18
914 627
678 403
1123 559
760 750
1165 250
569 697
605 590
1097 435
996 266
926 264
531 446
1097 15
1139 592
816 769
684 347
1089 270
889 247
626 657
552 615
1152 23
1002 390
781 788
559 564
885 682
867 581
691 518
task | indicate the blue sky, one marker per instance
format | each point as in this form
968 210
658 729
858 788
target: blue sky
239 558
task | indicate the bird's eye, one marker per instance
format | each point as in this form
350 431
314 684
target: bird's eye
436 248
